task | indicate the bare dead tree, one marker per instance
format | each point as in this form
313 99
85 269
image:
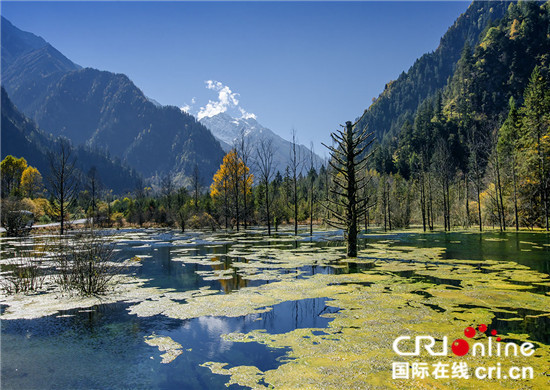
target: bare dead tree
327 188
63 180
477 161
443 170
264 162
93 184
196 185
496 171
167 185
387 180
368 196
244 152
167 189
348 159
181 207
295 166
311 185
467 197
139 202
234 179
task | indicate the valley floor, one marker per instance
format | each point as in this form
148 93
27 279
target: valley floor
201 310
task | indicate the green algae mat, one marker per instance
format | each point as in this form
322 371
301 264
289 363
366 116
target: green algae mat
403 310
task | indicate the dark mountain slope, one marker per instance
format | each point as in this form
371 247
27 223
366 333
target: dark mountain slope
106 110
430 73
18 42
21 138
103 110
499 67
30 76
29 66
466 114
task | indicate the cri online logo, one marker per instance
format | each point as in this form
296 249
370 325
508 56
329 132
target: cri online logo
461 347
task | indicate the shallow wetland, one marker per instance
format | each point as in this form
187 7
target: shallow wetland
209 310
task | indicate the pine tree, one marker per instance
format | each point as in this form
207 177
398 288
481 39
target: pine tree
535 141
508 149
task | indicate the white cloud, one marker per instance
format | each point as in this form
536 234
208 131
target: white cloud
216 326
227 99
246 115
187 107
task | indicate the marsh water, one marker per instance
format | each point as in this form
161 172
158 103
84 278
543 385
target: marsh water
102 346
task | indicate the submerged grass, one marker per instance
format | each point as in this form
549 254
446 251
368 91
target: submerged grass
378 305
356 352
390 290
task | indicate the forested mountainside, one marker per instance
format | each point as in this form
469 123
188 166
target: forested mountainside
107 110
476 99
103 110
463 136
21 138
484 136
400 98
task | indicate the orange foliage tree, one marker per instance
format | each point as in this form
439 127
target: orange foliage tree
230 184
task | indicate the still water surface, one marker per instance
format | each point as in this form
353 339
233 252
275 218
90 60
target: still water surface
103 346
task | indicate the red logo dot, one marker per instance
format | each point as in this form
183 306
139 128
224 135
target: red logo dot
498 338
469 332
482 328
460 347
494 332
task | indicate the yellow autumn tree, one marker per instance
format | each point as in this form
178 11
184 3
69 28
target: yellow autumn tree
11 169
31 181
219 190
229 186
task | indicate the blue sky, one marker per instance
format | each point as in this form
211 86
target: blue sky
303 65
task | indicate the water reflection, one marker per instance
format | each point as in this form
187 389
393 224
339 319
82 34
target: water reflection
530 249
163 269
519 321
103 347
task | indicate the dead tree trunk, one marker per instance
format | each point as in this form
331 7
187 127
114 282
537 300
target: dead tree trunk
244 152
423 201
347 159
466 184
264 162
311 187
388 203
196 184
295 166
515 193
63 182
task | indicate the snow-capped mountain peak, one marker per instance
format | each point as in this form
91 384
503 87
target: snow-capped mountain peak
228 130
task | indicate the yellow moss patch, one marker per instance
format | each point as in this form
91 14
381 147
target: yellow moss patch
355 351
248 376
165 344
